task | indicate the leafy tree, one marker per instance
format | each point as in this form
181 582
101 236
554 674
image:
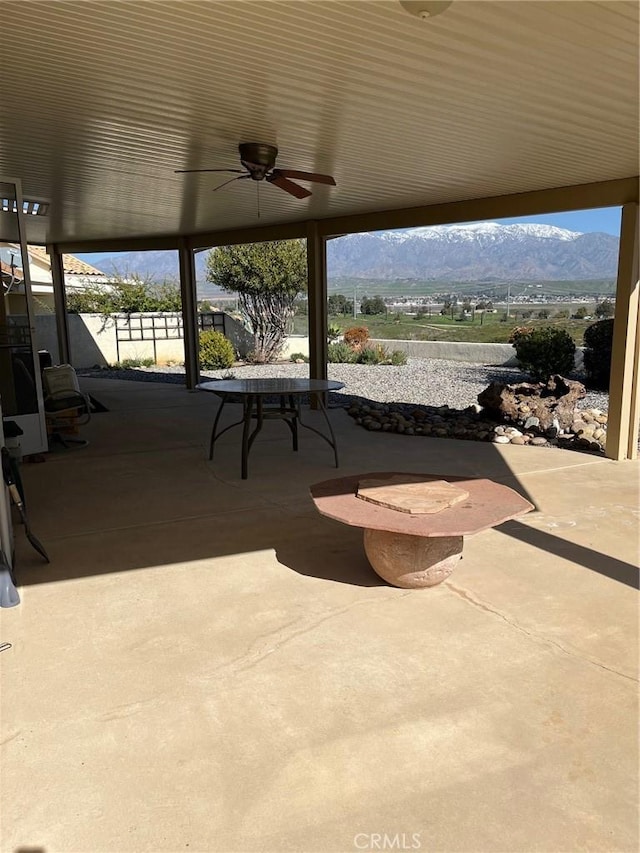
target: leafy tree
580 313
130 295
267 278
338 304
375 305
605 309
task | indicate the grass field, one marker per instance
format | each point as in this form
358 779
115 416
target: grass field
493 329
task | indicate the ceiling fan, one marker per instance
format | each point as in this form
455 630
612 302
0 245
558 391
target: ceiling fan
258 160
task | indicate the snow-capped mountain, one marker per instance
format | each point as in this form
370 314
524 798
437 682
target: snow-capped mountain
479 251
473 252
483 231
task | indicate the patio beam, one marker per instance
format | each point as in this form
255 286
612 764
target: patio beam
624 409
559 199
237 236
60 304
189 315
121 244
317 300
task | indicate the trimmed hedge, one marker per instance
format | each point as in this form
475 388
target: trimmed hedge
216 351
544 351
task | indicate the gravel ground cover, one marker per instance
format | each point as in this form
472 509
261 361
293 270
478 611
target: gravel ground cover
428 382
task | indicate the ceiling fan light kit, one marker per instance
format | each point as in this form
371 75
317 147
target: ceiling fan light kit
258 160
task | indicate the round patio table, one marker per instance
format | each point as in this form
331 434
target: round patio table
253 394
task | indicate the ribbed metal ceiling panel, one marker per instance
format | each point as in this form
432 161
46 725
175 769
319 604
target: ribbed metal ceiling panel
105 99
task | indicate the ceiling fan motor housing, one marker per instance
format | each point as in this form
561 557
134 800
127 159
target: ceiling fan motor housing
258 158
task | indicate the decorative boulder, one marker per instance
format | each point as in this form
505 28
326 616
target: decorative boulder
551 403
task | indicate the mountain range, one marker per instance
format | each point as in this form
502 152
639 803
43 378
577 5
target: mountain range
486 251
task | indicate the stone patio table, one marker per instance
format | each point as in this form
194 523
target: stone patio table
410 548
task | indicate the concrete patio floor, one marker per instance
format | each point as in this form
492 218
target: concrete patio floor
208 664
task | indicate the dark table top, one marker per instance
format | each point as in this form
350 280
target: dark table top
263 387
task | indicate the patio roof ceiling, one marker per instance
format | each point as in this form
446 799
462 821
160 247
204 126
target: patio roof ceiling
105 99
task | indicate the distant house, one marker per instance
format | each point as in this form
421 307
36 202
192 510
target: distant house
77 275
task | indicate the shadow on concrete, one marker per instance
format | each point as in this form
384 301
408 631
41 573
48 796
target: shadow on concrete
261 516
313 547
610 567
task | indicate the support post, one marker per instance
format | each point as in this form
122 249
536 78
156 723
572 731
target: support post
624 408
189 315
60 303
317 296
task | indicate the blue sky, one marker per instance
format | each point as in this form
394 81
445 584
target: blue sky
605 219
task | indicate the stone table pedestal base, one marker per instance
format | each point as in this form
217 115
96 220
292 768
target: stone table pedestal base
416 549
412 562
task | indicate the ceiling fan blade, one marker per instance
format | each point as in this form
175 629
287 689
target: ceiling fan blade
230 181
187 171
306 176
288 186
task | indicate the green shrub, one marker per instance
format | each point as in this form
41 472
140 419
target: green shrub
598 341
369 355
398 357
333 333
299 356
128 363
216 351
340 353
544 351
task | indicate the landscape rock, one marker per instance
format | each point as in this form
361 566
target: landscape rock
553 402
584 433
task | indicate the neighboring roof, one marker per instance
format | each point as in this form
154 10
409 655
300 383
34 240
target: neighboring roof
72 265
487 99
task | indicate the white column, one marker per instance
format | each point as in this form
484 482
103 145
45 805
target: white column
317 296
60 303
624 411
189 315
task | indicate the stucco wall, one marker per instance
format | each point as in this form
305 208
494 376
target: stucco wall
455 351
93 341
476 353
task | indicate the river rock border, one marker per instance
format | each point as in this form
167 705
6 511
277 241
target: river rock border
587 432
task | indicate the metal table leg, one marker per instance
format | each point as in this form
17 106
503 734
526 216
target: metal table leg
215 426
248 409
214 436
330 441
